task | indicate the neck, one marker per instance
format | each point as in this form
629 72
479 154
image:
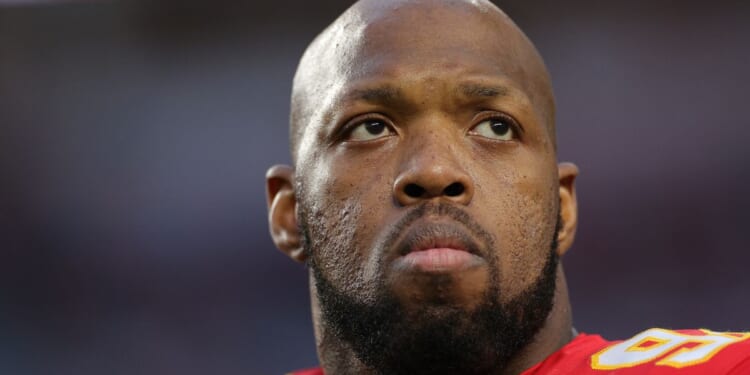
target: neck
557 331
337 358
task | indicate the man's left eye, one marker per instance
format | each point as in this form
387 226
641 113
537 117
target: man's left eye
370 129
495 128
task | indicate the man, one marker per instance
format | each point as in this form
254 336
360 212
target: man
427 200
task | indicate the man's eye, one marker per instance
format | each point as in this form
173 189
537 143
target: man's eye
369 130
495 128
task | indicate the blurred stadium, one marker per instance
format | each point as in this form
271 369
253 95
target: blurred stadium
134 138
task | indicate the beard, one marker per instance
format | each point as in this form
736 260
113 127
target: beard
442 339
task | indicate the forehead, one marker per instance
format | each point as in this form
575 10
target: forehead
380 40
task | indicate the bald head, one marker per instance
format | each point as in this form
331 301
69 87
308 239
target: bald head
379 37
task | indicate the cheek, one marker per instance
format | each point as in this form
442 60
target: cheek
343 223
523 216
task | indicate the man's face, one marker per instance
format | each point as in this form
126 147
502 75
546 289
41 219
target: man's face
427 184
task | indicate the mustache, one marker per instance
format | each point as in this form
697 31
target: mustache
443 210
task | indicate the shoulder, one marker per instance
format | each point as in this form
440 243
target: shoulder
698 349
654 351
310 371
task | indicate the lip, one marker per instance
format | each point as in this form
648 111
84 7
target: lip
437 247
438 260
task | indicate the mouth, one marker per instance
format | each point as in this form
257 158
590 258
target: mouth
437 247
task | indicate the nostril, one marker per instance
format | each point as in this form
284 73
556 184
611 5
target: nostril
453 190
414 190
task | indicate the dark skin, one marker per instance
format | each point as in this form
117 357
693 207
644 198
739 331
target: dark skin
401 104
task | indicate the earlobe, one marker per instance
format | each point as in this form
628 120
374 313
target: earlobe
568 206
282 218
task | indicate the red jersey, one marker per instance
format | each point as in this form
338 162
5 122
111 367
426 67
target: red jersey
652 352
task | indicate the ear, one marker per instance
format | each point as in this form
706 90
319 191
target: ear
568 206
282 215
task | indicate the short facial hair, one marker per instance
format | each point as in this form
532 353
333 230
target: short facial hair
391 341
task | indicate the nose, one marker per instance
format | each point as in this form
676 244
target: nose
433 172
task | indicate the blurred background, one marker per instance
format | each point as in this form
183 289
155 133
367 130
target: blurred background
134 138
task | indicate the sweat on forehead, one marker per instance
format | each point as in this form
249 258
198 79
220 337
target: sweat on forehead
376 38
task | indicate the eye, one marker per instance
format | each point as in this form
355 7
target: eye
368 130
496 128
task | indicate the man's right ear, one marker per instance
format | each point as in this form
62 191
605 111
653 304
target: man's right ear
282 211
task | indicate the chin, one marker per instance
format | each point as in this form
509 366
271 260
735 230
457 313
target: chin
466 288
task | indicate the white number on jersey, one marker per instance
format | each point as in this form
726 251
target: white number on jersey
670 348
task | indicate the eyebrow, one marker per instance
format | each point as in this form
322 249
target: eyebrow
387 94
477 90
383 94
